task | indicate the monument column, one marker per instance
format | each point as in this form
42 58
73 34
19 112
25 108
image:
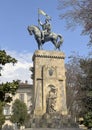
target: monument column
49 82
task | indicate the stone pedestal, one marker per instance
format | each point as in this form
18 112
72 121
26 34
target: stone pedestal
49 82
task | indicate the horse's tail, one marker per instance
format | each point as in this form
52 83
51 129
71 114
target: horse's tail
28 28
60 41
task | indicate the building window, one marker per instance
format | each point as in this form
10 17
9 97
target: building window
21 97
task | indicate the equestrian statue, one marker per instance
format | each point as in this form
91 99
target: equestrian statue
45 34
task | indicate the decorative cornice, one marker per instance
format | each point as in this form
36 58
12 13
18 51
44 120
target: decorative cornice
49 54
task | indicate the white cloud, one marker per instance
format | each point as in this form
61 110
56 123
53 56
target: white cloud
18 71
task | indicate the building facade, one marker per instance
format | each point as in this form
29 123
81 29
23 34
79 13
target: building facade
23 93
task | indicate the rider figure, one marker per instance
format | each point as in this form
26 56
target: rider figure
46 28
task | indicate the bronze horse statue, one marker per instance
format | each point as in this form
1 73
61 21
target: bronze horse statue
56 39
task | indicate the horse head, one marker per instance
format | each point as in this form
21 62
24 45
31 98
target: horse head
29 30
35 30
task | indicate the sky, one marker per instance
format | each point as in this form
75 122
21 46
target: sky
15 17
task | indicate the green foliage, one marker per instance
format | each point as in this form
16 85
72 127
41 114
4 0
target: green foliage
88 119
19 112
2 117
4 59
7 89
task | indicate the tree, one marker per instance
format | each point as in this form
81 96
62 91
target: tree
86 88
2 117
19 112
7 88
88 119
86 85
79 88
72 86
77 12
4 59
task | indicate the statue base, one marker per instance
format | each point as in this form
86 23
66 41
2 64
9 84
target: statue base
55 121
49 81
53 129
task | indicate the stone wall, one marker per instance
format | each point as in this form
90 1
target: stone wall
49 82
